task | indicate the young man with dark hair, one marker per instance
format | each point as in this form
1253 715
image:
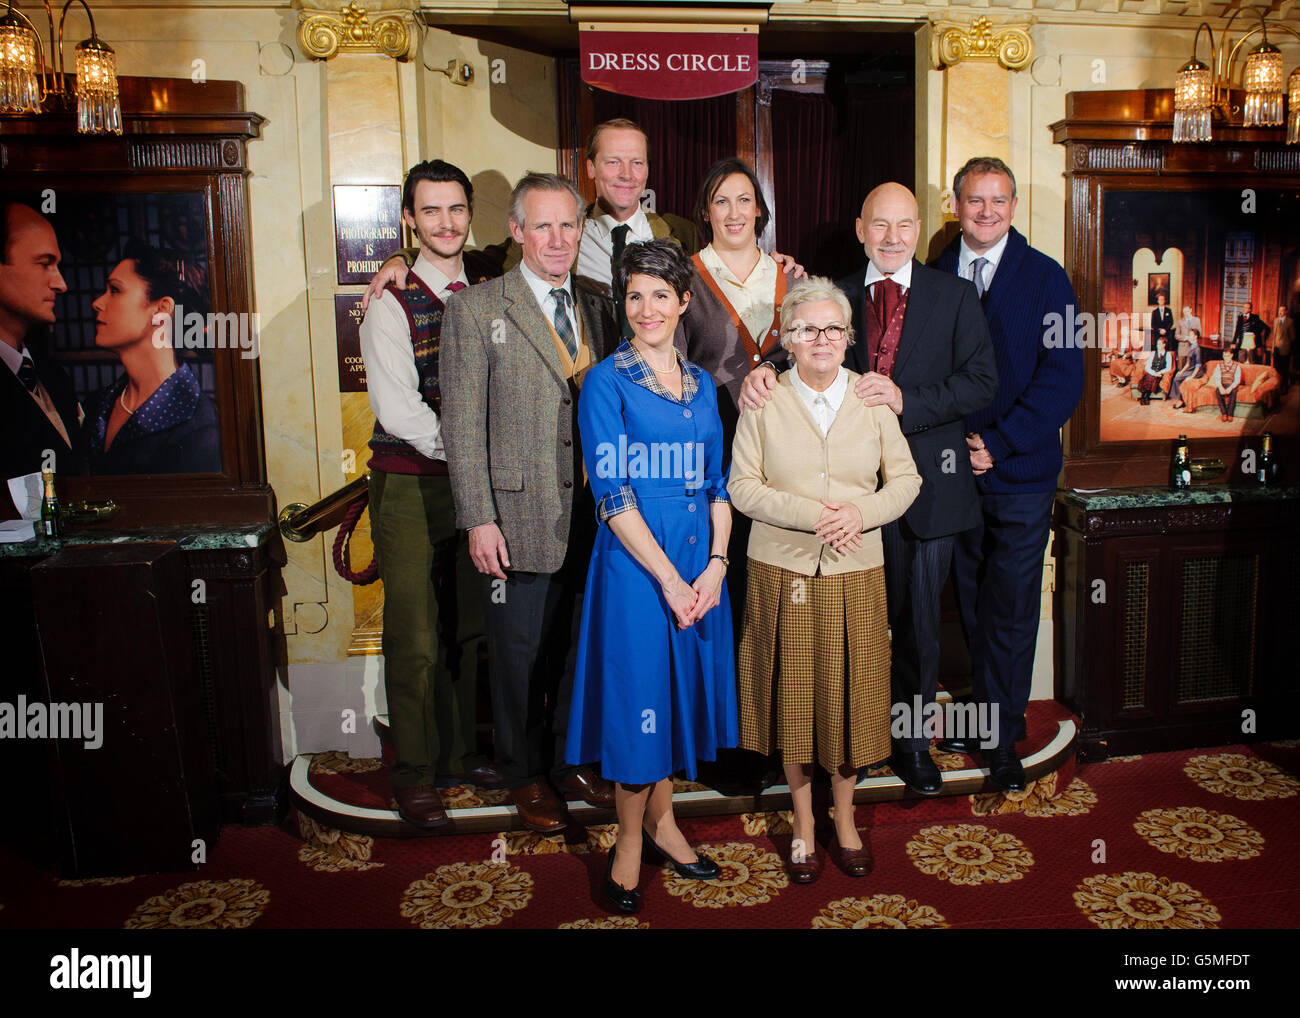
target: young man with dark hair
430 702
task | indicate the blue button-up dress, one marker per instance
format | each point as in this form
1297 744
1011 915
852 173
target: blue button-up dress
650 699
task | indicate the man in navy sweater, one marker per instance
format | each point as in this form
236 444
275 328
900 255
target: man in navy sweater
1015 448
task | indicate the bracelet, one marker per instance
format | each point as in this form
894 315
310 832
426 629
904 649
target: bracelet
721 558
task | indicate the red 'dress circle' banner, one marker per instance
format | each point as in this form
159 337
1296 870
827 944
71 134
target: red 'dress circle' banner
667 65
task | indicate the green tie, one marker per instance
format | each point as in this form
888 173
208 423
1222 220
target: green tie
562 324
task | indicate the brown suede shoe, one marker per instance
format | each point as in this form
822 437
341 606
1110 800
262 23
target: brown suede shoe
421 806
588 786
538 808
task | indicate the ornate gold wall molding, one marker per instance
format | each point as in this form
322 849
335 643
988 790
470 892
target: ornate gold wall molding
326 29
1007 43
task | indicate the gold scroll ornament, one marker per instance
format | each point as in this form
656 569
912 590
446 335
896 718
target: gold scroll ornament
954 42
324 31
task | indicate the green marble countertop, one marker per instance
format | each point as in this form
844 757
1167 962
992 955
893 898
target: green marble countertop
1157 497
221 537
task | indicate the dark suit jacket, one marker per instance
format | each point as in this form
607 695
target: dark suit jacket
27 432
1163 323
509 416
945 369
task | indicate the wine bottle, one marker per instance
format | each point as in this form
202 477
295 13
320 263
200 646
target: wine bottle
49 507
1267 472
1180 467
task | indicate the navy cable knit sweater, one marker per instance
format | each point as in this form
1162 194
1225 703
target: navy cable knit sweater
1038 386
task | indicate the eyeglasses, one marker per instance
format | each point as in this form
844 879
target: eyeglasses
809 333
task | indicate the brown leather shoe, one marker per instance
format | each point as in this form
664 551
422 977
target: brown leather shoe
538 808
856 862
421 806
807 871
588 786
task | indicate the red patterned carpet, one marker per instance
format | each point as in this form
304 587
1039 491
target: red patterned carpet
1186 840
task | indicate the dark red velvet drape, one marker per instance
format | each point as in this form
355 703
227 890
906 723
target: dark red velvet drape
828 151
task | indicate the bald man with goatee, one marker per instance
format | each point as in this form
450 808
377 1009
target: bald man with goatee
922 347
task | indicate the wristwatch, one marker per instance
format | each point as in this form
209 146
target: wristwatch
721 558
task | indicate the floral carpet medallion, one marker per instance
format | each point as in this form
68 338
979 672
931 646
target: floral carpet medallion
599 838
467 895
203 905
1040 799
470 797
327 850
879 912
1241 776
772 822
750 876
1201 835
970 854
96 882
1123 759
1144 901
609 922
340 763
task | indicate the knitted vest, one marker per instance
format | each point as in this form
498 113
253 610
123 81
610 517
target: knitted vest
424 316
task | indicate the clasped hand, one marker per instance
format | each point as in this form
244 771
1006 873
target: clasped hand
840 526
691 603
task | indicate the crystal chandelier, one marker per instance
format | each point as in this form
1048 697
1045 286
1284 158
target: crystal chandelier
1202 93
26 81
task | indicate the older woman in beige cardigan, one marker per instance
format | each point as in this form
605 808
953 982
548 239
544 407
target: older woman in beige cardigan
813 672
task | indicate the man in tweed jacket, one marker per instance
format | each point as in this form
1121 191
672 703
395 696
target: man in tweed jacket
513 354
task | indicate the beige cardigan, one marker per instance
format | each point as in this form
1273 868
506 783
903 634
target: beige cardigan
782 466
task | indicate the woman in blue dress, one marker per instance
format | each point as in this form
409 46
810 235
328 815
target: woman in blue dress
655 686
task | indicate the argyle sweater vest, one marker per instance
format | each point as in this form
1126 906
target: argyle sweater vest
424 316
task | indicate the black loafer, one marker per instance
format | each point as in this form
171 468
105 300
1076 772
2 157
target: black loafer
918 772
703 868
1005 769
619 897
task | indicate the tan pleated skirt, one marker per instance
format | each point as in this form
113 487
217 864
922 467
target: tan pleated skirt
813 668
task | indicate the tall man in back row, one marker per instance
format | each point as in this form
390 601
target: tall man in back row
1015 449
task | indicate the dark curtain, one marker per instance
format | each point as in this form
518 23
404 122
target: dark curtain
828 151
686 138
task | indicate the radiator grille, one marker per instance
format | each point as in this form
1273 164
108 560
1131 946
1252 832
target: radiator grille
1136 582
207 691
1216 645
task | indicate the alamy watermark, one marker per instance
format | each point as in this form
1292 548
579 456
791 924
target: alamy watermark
1078 330
632 460
973 722
23 720
189 330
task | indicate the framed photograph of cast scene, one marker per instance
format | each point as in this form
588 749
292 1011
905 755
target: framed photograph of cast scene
152 351
1186 263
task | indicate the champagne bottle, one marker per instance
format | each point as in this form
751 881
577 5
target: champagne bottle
1267 472
49 507
1180 467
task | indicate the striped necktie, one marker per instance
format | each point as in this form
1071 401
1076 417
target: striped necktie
561 321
